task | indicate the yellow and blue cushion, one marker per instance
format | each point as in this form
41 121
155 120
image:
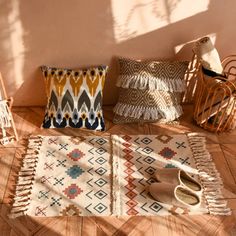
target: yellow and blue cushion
74 97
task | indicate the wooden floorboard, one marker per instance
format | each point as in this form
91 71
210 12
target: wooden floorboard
28 120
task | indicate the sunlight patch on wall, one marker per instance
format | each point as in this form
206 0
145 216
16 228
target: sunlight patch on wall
179 47
16 43
134 18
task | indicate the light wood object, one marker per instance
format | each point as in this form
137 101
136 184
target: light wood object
191 80
215 100
7 125
222 148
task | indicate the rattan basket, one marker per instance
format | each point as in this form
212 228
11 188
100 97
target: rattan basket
215 103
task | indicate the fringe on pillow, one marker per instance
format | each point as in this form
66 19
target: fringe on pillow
209 176
151 83
168 113
26 178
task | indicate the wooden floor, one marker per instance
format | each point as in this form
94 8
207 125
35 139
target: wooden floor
223 150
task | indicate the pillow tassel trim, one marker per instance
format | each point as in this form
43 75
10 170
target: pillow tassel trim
169 113
26 178
151 83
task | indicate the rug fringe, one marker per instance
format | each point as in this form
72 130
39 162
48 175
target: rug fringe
25 179
209 176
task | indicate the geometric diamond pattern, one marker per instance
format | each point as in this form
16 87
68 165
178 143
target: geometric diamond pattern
74 171
100 194
129 164
137 162
129 171
164 138
100 208
75 155
101 182
73 174
130 186
150 170
151 180
101 171
167 153
146 140
149 159
101 141
131 203
72 191
101 160
132 211
147 150
131 194
155 207
100 151
126 138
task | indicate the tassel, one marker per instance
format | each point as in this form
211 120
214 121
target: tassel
151 83
209 176
169 113
25 179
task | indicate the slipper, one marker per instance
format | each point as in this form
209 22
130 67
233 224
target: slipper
171 194
178 177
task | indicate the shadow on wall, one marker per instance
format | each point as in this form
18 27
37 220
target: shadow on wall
84 33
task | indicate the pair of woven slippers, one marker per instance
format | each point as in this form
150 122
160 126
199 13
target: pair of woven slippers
176 187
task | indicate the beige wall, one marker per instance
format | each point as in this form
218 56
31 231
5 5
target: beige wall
76 33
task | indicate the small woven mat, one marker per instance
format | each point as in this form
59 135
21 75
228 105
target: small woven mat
110 175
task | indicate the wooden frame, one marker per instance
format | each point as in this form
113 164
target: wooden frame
7 125
215 101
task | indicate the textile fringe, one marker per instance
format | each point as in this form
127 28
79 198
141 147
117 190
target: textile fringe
209 176
26 178
169 113
151 82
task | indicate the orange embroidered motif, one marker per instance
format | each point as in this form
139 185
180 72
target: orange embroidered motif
59 84
76 84
92 82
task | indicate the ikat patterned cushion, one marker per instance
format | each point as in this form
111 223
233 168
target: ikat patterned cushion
150 90
74 97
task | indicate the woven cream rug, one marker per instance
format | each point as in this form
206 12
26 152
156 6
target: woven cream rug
103 176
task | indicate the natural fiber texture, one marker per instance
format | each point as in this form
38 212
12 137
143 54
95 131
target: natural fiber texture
151 83
170 113
148 105
65 176
122 119
150 90
161 75
209 176
138 157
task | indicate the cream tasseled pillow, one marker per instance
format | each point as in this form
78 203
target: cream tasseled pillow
149 90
